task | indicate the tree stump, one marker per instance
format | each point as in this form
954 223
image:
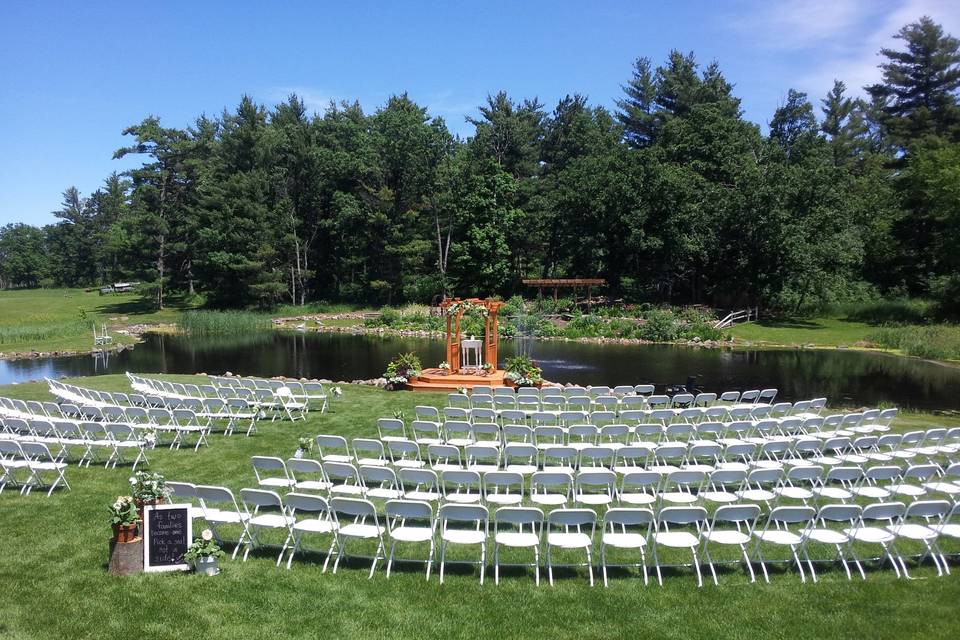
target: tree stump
126 558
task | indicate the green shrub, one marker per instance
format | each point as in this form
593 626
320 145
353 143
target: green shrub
890 312
659 325
704 331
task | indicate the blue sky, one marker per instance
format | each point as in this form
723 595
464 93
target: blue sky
74 74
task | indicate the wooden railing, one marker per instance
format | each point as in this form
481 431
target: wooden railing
734 317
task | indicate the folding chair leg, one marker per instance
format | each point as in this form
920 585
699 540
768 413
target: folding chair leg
430 560
536 565
443 554
496 563
393 545
590 566
483 560
326 560
696 565
746 559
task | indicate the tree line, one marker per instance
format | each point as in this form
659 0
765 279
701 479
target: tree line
672 196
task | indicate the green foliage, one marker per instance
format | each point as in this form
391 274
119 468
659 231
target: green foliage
659 325
123 511
403 367
937 342
673 199
523 371
901 311
204 546
213 323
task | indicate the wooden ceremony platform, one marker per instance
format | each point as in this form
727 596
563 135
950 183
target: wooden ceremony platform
437 380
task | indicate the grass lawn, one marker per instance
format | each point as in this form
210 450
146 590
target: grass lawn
816 331
63 319
53 555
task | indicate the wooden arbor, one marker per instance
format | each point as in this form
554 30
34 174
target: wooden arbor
454 309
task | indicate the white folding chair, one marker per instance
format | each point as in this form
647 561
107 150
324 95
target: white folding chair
776 531
571 529
743 516
679 539
358 521
471 526
256 521
517 528
311 516
626 528
409 522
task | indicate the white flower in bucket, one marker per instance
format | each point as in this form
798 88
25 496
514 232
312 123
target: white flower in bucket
337 392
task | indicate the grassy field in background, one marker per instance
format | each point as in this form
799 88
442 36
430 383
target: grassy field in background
822 332
63 319
54 555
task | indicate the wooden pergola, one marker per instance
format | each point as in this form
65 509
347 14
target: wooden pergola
490 329
561 283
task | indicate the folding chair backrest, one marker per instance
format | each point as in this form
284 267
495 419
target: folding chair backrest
308 504
260 498
737 513
627 517
791 515
463 513
682 515
402 510
573 518
839 513
890 511
354 508
927 509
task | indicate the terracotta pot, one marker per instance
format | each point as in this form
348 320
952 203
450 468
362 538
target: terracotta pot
413 379
140 504
123 533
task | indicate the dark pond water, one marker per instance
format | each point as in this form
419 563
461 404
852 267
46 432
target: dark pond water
850 378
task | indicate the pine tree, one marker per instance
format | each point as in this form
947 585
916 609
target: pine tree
636 111
919 88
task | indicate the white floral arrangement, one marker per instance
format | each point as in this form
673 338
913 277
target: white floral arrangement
462 390
150 439
465 306
444 366
337 392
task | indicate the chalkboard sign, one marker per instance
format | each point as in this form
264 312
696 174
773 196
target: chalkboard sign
167 533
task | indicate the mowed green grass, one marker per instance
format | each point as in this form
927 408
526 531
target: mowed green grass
51 319
816 331
54 551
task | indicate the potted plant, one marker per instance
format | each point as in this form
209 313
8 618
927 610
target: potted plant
404 368
398 414
148 488
444 367
523 372
204 554
487 368
124 519
304 446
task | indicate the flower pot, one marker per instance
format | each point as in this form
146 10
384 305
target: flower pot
141 504
412 379
207 565
123 533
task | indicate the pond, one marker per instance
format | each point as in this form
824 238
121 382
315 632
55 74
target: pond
845 377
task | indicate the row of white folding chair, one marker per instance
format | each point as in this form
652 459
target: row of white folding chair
114 440
643 390
772 453
634 529
28 464
591 486
311 393
773 445
180 423
685 401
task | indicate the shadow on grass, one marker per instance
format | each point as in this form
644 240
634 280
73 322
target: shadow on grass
788 323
